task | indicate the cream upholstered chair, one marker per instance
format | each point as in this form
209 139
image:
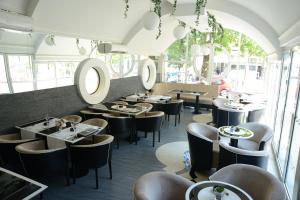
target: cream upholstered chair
262 135
72 118
97 122
148 106
41 161
203 150
257 182
120 102
161 186
9 156
92 154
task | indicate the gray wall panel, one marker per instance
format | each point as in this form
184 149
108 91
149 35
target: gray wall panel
29 106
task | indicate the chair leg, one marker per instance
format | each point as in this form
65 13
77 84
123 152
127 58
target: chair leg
192 173
153 142
74 173
179 118
159 136
175 119
136 137
96 174
118 145
110 169
145 134
168 117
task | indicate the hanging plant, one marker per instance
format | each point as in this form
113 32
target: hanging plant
199 5
126 8
174 7
157 10
216 27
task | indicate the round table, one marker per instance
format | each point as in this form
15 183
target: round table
204 191
235 133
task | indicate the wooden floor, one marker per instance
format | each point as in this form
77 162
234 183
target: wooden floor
128 163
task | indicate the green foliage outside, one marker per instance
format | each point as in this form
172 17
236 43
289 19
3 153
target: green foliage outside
230 39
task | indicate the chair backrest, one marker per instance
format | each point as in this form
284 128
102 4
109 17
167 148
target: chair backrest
38 160
119 125
172 108
257 182
231 155
8 154
262 133
255 115
92 153
150 121
200 138
161 186
96 122
72 118
229 118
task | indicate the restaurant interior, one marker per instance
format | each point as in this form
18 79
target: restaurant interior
150 99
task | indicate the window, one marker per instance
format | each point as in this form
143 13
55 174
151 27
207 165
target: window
92 81
3 81
46 75
21 73
65 73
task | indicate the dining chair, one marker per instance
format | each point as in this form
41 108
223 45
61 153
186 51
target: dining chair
231 155
72 118
257 182
230 117
9 157
172 108
161 186
92 154
203 152
101 123
39 161
120 127
150 122
255 115
263 135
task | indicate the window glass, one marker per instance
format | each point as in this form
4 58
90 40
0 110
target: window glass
21 73
45 75
130 65
3 81
65 73
115 65
92 81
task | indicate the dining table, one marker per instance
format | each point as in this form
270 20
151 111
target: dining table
55 136
235 133
207 190
16 186
145 98
191 93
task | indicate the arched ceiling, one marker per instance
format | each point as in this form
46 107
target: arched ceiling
271 23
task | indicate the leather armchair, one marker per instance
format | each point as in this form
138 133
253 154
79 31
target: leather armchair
231 155
92 154
150 122
201 138
262 135
161 186
39 161
257 182
97 122
9 157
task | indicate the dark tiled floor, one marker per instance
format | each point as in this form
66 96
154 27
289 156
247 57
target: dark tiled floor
129 162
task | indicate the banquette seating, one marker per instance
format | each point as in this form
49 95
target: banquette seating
204 101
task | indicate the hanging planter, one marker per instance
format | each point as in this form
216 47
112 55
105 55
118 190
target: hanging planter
151 21
157 10
180 31
126 8
200 5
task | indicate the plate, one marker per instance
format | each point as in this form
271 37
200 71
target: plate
119 107
229 131
207 194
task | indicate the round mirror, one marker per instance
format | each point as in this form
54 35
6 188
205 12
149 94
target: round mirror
92 81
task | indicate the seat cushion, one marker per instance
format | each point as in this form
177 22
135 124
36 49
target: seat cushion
248 145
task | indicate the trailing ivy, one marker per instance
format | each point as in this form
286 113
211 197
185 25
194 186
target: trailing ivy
174 7
126 8
199 4
216 27
157 10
